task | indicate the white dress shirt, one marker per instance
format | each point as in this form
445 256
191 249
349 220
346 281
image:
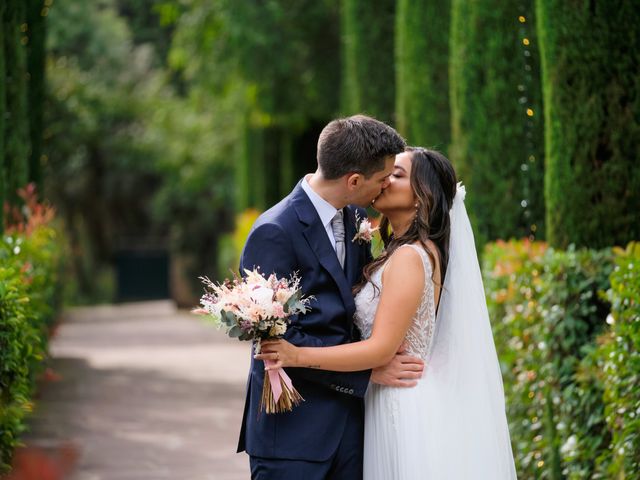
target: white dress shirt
325 210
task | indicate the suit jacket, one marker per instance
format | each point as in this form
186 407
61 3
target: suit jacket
289 238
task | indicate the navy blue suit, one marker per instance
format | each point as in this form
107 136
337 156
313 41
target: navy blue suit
289 238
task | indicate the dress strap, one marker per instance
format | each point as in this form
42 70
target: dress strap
426 261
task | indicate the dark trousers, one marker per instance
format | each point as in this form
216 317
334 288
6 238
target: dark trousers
344 464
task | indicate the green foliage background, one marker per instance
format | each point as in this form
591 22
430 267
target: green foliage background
590 52
172 123
422 72
496 147
568 367
367 69
30 296
16 145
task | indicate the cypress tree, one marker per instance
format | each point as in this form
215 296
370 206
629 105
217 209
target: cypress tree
287 175
16 118
590 55
368 76
422 72
497 139
36 15
252 173
2 111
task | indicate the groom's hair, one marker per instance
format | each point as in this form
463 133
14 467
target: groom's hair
357 144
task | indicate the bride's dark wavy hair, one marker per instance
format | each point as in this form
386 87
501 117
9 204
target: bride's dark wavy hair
433 180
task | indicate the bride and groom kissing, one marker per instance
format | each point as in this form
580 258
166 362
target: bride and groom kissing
395 360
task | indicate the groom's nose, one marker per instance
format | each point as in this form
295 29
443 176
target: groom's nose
386 182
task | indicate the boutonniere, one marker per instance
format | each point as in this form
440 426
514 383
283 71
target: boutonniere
364 232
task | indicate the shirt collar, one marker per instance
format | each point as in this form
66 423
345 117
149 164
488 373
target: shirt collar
325 210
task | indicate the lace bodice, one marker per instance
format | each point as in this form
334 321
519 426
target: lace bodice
420 333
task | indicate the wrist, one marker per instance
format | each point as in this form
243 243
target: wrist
298 357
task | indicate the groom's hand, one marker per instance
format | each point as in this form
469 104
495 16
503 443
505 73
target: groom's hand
403 371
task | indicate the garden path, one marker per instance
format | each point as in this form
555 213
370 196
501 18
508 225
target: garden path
145 392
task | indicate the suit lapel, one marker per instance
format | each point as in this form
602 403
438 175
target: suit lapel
316 236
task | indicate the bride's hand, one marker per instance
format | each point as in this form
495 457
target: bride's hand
281 352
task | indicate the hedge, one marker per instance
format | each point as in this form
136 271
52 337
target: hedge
497 143
422 72
367 49
590 52
37 12
30 262
618 360
547 315
16 140
3 187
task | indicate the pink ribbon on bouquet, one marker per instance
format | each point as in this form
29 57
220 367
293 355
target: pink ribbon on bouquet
274 379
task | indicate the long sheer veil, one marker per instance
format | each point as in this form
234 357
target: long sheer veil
468 436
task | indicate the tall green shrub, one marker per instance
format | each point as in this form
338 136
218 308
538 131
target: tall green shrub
284 59
2 112
36 16
496 116
590 54
422 72
30 295
16 333
16 117
368 59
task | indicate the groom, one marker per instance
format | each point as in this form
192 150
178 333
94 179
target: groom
310 232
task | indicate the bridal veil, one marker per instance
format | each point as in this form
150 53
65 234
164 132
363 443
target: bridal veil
465 400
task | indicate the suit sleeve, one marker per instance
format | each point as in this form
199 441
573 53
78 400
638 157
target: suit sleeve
269 248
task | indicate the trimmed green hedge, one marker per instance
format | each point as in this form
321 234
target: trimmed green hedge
422 72
367 49
496 117
3 187
590 52
16 140
37 12
570 378
618 358
30 261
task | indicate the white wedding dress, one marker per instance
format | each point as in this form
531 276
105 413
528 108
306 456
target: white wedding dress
452 425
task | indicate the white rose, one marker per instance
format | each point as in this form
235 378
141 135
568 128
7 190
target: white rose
262 296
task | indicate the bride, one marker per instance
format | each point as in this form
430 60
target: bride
424 292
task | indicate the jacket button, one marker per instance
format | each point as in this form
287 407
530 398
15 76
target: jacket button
351 391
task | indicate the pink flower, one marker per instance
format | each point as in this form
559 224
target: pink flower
278 310
365 231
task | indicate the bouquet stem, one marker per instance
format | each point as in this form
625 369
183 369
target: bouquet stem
278 393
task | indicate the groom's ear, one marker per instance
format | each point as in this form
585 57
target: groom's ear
354 180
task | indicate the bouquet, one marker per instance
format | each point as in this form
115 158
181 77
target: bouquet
256 308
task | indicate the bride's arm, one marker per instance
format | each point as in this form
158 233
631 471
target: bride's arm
403 284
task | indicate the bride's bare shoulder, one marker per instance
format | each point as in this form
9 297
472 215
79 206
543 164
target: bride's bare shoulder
432 251
405 261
